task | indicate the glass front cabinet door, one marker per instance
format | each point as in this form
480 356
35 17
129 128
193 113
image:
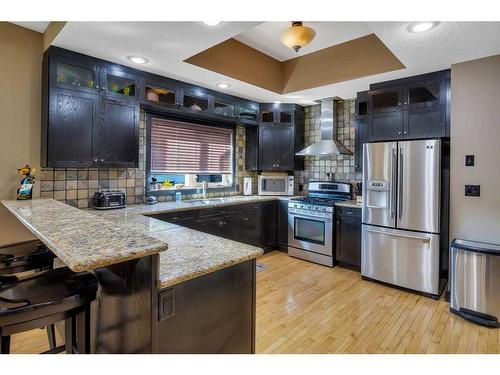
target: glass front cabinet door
67 73
120 85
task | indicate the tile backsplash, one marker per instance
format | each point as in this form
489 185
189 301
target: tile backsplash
342 166
77 186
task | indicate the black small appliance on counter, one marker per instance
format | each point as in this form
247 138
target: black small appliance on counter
109 199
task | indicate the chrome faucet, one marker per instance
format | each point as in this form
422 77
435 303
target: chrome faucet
204 185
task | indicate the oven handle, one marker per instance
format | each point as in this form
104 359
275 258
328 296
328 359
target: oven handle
326 219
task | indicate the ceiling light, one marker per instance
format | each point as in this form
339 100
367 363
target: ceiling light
277 102
211 23
223 85
419 27
297 36
138 59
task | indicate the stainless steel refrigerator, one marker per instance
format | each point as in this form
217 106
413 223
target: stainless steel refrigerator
401 214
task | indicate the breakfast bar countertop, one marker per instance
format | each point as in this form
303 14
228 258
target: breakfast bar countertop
81 240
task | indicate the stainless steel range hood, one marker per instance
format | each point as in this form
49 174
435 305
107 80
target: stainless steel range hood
329 144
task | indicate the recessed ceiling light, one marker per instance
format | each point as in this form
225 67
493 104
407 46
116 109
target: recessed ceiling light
138 59
277 102
419 27
223 85
211 23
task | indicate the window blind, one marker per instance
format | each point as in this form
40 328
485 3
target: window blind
178 147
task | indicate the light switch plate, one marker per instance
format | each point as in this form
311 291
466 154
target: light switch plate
472 190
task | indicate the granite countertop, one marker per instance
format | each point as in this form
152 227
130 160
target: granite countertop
88 239
81 240
157 208
352 204
190 253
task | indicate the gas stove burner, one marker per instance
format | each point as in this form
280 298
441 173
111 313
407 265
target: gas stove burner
317 201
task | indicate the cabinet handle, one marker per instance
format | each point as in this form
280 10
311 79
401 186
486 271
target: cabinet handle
101 160
97 87
406 102
399 103
406 132
399 132
96 160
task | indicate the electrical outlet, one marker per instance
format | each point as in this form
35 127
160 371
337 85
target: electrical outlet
472 190
166 302
469 160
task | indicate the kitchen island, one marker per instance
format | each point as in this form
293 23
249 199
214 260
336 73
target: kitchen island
162 288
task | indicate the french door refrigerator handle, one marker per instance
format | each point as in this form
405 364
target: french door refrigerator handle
392 198
400 187
413 236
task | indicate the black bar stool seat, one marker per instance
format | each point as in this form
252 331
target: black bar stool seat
25 256
45 298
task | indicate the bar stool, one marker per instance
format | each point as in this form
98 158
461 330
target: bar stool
28 256
45 298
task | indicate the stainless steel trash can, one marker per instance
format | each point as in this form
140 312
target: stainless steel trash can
475 281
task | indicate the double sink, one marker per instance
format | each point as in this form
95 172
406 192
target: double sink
212 201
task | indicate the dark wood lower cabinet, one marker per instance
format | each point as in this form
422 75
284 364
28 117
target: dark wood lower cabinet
348 237
282 225
251 226
254 223
213 313
210 314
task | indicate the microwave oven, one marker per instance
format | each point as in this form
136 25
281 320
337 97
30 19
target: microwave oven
275 185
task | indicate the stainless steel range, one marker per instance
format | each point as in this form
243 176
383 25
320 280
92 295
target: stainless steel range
311 230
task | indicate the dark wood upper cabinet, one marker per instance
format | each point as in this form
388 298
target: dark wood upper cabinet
247 114
361 132
409 108
119 84
385 100
361 129
158 93
73 117
386 126
90 109
118 133
73 73
193 101
93 112
223 108
272 145
276 113
276 148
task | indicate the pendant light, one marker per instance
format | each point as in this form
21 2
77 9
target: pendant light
297 36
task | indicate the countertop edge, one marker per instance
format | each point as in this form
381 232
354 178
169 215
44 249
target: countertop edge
163 284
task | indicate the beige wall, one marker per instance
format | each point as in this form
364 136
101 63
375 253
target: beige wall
475 129
20 75
20 102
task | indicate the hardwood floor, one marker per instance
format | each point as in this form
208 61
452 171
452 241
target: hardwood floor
306 308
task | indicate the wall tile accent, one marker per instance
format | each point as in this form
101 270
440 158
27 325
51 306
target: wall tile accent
342 166
77 186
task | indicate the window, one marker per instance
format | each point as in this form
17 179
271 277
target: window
185 155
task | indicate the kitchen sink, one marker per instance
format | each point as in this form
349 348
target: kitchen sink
206 201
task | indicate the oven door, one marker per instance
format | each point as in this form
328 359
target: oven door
311 233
